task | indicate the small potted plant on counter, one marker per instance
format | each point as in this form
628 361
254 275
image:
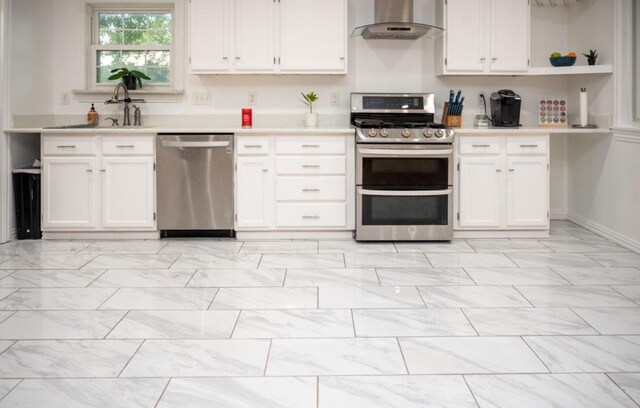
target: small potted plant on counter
592 56
130 78
311 119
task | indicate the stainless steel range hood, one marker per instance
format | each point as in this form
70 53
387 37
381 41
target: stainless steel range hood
394 21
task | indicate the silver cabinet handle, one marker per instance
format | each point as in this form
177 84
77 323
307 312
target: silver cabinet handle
483 59
494 59
411 193
66 146
311 217
253 146
194 144
528 145
485 145
126 146
265 170
512 170
498 171
310 166
103 171
89 171
403 153
311 190
310 146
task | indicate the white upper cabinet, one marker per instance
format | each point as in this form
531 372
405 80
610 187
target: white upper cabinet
268 36
313 35
488 37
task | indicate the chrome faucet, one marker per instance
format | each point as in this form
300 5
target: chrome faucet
115 99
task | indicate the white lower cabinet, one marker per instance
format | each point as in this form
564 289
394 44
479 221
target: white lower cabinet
295 183
254 193
503 183
68 192
107 185
127 192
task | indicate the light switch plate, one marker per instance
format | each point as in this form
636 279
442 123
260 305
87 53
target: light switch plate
253 98
202 98
334 98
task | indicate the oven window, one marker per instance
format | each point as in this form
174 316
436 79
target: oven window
405 210
406 173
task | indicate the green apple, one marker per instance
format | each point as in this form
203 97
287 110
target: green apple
556 55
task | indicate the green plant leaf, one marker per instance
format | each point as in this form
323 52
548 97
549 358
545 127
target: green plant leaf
117 76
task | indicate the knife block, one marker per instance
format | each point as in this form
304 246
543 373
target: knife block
450 120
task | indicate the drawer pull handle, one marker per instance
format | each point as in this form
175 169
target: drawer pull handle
311 146
66 146
512 170
126 146
311 217
498 171
310 166
481 145
253 146
89 171
529 146
311 190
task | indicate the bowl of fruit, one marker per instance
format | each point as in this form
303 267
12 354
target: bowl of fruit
558 60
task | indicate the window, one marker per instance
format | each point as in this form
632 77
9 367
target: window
135 38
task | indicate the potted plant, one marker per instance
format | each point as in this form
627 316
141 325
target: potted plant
592 56
130 78
311 119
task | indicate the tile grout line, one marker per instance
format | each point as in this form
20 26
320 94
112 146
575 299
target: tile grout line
7 349
235 325
523 296
404 360
585 322
284 278
620 388
213 298
186 285
12 388
469 320
166 386
318 392
266 363
536 354
131 358
12 313
97 277
464 269
622 294
117 323
464 378
353 324
107 299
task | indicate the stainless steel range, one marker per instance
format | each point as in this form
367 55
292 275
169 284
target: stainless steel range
404 169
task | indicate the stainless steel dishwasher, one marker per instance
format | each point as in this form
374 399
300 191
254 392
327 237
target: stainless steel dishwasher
195 184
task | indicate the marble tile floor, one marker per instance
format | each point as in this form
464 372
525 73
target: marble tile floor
321 324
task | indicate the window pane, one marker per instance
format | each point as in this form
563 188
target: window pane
133 58
160 22
109 58
104 74
158 58
110 21
160 37
110 37
158 75
135 38
136 22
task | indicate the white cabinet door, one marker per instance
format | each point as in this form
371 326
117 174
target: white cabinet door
68 191
527 191
255 201
313 35
254 35
465 36
480 191
210 34
509 35
128 198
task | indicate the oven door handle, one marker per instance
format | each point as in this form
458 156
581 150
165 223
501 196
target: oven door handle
392 193
406 153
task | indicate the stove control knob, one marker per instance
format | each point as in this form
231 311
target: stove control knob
372 132
428 133
440 133
384 132
406 132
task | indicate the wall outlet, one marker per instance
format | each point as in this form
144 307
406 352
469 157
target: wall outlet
65 98
334 99
202 98
253 98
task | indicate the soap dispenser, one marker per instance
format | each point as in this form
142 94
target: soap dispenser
137 116
92 116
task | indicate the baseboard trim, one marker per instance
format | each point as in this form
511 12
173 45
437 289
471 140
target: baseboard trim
605 232
496 234
559 214
101 235
286 235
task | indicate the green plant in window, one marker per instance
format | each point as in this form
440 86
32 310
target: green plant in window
129 77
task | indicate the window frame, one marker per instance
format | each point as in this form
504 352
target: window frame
131 8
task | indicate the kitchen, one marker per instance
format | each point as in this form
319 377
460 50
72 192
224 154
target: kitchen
534 267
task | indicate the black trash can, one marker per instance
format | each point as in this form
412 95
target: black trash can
26 193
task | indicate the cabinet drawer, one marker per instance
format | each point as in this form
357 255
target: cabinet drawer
128 145
311 188
527 145
252 145
311 145
311 165
479 145
311 215
66 145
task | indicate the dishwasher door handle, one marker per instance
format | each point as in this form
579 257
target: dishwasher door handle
164 143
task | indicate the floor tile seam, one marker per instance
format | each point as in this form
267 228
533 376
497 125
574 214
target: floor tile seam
14 290
266 361
424 254
464 269
404 360
523 296
107 299
353 324
235 325
12 313
166 386
553 269
96 278
87 263
178 256
622 389
424 302
195 272
130 359
623 295
587 323
12 388
375 270
512 260
318 297
589 255
11 272
470 322
7 349
212 299
260 261
464 378
117 323
10 257
524 340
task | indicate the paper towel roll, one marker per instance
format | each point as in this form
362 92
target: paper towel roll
584 107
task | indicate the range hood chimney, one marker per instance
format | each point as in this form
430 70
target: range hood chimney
394 21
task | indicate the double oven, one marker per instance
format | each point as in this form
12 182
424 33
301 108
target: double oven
404 170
